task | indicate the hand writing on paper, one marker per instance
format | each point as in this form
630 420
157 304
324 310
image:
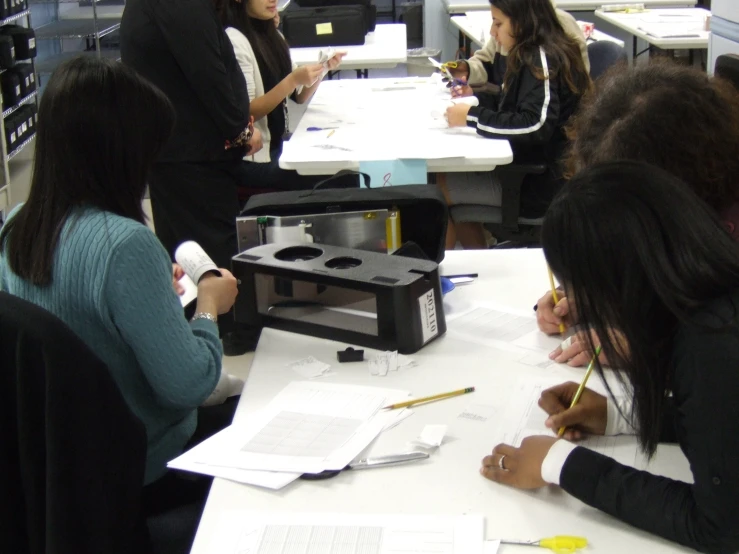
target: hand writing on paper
177 274
521 466
456 115
549 317
588 416
575 351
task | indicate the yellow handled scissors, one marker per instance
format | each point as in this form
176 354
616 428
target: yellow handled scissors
561 544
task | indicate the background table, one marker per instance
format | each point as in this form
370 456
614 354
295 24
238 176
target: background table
474 28
386 119
630 22
449 481
462 6
384 48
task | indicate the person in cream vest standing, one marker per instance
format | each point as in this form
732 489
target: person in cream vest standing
271 78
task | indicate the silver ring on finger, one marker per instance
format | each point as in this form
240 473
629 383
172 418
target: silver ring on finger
500 463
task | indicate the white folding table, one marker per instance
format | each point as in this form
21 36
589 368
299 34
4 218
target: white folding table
474 28
386 119
449 482
633 24
384 48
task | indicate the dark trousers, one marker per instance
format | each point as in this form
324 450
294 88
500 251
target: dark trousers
199 202
178 488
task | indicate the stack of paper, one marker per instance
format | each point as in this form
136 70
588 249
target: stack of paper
307 428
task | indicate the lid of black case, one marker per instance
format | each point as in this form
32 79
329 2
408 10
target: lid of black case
423 210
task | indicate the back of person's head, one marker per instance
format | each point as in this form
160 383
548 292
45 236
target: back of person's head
668 115
535 25
255 20
100 128
638 252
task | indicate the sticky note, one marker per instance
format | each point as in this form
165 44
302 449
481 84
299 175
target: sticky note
392 173
324 29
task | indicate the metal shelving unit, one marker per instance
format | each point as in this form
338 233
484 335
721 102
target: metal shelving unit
76 23
32 97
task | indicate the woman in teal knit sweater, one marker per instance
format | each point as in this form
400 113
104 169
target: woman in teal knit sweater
79 248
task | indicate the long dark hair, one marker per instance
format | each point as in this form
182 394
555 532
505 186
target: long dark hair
639 253
100 128
535 25
270 48
668 115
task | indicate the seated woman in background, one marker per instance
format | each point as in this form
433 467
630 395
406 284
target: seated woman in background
542 79
80 248
669 115
271 79
639 252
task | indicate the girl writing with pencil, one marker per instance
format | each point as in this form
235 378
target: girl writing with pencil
542 80
271 79
666 114
639 252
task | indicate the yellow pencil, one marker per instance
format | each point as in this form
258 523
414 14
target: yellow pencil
555 298
581 388
429 398
331 133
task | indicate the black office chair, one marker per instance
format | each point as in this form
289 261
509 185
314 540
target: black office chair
73 455
505 222
603 55
727 67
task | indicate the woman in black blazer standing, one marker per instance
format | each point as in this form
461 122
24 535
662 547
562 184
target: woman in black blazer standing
182 48
640 253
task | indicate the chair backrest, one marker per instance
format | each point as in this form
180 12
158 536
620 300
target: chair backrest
73 455
727 67
604 54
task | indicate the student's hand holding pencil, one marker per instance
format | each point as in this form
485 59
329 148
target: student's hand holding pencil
550 314
589 416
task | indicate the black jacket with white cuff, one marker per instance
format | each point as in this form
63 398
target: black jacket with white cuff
531 114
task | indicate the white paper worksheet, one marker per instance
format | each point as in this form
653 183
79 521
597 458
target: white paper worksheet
260 533
505 329
307 428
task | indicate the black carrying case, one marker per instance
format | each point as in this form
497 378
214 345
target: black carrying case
369 7
12 126
423 210
24 39
7 52
328 26
11 87
26 115
26 77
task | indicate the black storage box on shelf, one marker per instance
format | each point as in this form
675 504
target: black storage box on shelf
422 208
329 26
369 7
17 6
12 126
343 294
24 39
11 87
7 52
26 77
27 117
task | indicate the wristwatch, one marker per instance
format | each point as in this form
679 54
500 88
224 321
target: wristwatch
205 315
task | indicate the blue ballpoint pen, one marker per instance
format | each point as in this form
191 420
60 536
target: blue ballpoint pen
321 128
